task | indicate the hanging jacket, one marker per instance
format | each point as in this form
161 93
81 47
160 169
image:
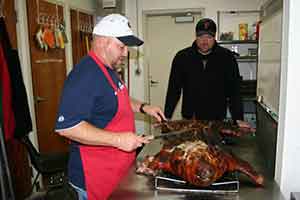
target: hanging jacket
8 115
19 102
19 96
1 114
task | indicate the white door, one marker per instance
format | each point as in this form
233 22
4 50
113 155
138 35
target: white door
164 39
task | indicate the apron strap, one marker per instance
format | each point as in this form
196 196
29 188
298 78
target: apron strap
104 70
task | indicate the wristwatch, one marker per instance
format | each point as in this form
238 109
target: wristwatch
142 108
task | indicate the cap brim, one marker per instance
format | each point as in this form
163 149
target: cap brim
199 33
131 40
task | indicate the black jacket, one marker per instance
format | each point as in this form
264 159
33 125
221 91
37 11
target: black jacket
206 90
19 96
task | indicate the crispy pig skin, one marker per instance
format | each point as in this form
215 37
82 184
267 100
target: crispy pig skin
197 163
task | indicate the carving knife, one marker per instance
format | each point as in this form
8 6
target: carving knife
173 133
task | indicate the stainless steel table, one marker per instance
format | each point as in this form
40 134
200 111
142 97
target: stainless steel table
142 187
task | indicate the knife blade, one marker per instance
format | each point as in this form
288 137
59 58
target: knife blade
172 133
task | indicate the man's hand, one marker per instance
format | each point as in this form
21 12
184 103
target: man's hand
243 124
155 111
129 141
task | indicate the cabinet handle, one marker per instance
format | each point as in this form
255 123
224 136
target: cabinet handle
39 99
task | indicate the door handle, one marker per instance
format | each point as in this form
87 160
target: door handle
154 82
39 99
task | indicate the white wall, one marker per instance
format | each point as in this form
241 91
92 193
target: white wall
134 11
269 61
210 6
288 147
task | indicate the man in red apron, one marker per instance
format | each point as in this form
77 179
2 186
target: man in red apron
97 114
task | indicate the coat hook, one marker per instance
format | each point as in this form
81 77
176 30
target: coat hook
2 8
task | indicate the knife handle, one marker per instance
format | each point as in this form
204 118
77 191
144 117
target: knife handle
161 118
139 149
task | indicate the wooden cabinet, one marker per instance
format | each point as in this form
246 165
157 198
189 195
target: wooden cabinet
81 29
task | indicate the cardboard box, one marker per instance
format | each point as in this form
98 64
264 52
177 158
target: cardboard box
243 31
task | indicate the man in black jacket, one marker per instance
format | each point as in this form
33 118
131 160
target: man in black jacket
208 77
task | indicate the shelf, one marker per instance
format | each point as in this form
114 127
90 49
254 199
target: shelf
246 61
246 58
249 98
230 20
237 41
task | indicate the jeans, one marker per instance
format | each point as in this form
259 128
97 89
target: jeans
82 195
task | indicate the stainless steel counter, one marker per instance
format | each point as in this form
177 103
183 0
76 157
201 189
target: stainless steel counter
142 187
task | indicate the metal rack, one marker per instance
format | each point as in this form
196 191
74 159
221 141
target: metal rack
246 54
225 186
246 50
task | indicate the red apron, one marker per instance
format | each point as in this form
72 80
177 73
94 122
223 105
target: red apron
105 166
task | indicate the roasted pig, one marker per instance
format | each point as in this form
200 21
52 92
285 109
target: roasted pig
197 163
225 127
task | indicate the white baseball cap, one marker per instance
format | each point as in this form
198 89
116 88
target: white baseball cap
116 25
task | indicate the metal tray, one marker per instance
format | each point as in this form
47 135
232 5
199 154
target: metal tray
228 184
